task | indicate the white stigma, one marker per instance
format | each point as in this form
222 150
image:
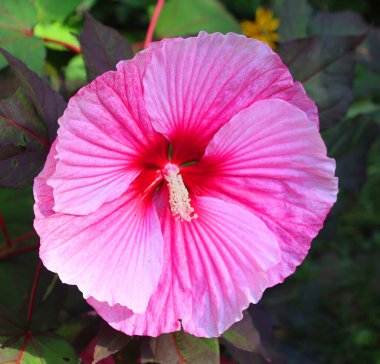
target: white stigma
179 199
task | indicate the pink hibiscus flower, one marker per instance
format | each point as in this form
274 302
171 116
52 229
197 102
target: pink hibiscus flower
184 184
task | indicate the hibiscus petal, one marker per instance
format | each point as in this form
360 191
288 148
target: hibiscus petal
195 86
114 254
214 267
105 134
271 159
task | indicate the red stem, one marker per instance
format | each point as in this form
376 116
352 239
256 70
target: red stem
33 291
23 249
5 232
27 336
27 131
153 22
28 235
181 359
70 47
32 298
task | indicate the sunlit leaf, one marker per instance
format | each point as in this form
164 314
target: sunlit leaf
17 18
102 47
183 17
58 32
325 65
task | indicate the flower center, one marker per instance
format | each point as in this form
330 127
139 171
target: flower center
179 199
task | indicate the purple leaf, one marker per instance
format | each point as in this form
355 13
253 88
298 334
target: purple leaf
325 65
339 23
102 47
23 142
48 103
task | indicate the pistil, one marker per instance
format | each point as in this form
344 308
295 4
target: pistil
179 200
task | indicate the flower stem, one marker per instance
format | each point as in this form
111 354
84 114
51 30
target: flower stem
153 22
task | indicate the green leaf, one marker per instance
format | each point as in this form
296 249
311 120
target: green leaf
244 335
183 17
39 349
76 69
79 330
59 32
102 47
340 23
17 18
56 10
16 207
366 82
181 347
10 322
20 269
196 349
108 342
325 65
362 106
294 19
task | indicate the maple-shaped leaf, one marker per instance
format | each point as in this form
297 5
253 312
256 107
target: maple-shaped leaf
102 47
28 126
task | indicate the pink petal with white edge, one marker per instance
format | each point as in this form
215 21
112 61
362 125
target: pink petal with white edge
194 86
114 254
105 134
214 266
272 160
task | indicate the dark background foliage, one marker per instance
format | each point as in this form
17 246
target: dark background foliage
327 312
